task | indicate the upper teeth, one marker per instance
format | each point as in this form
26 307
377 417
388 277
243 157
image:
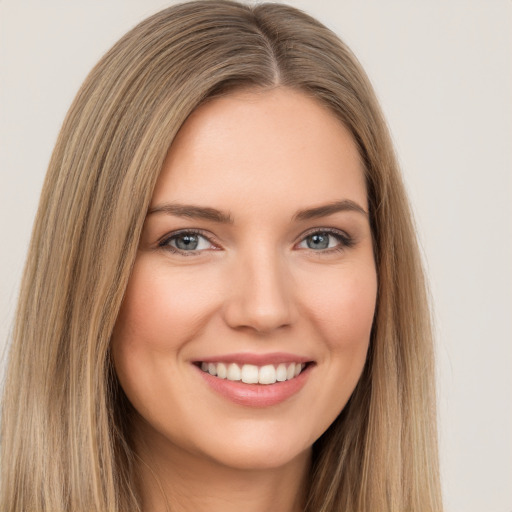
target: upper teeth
252 374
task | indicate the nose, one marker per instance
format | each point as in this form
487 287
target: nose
260 297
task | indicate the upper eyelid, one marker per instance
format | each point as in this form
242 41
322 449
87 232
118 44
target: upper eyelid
209 235
324 230
168 236
341 234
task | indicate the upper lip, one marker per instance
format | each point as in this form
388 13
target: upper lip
255 359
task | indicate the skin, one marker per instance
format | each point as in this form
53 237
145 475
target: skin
254 285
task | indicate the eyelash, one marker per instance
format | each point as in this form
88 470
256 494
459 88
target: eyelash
344 241
165 243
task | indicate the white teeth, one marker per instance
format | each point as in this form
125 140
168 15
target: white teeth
252 374
267 374
281 373
222 371
234 372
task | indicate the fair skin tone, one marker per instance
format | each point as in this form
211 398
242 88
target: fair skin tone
256 252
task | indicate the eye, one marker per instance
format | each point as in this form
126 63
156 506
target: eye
325 240
186 242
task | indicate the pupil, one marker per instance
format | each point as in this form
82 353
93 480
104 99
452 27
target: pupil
318 241
187 242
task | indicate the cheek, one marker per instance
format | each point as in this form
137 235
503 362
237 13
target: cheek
161 309
162 312
343 308
340 311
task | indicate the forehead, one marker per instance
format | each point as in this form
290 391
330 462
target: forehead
262 147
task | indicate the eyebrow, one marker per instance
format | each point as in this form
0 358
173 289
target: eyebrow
346 205
212 214
193 212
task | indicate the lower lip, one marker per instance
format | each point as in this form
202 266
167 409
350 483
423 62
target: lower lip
257 395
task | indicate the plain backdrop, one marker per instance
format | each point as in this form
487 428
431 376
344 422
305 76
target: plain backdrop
443 72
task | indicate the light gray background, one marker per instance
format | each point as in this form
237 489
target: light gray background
443 72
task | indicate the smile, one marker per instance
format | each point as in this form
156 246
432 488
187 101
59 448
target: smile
255 380
253 374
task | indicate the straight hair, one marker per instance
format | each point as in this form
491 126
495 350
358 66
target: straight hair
65 431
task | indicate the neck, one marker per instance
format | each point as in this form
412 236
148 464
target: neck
172 479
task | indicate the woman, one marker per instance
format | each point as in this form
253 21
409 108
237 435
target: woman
223 304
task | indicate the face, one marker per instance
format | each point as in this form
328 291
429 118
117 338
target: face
247 318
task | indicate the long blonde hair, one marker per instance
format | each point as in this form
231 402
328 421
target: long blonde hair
65 421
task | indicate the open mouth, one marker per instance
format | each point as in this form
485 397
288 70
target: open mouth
253 374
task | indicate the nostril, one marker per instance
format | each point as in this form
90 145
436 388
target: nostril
262 321
259 298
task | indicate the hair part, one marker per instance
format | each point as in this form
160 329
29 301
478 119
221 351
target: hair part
65 420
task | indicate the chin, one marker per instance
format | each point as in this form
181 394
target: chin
264 450
250 458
